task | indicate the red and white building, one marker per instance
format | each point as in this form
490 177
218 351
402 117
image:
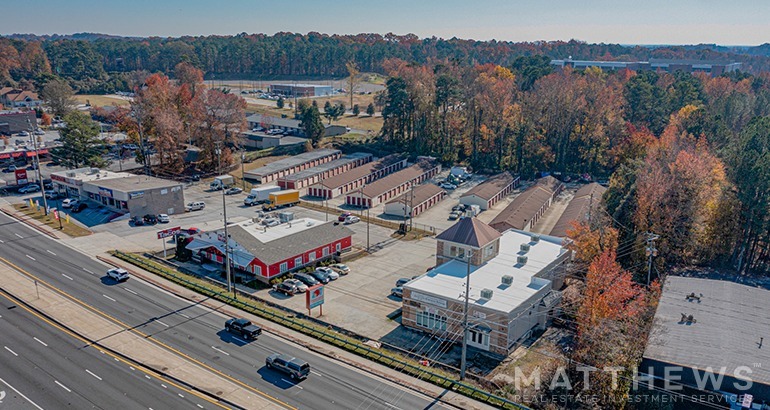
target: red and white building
393 185
415 202
288 166
355 178
303 179
267 253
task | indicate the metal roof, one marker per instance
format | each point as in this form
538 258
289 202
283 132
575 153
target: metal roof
421 194
286 163
391 181
359 172
337 163
492 186
471 232
522 209
578 207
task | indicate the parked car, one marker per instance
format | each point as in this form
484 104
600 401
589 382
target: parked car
454 215
118 274
39 132
458 207
10 168
332 274
79 207
23 134
398 292
243 327
32 166
163 218
287 288
301 287
343 216
307 279
447 185
150 219
47 184
69 202
321 276
233 191
296 369
137 220
403 281
51 194
352 219
28 189
194 206
340 268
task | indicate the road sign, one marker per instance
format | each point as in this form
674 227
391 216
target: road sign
314 296
21 177
169 232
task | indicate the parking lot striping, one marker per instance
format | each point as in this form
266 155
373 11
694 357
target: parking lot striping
50 252
18 235
67 276
130 291
293 384
88 271
109 298
40 341
158 321
92 374
220 350
12 352
20 394
184 316
63 386
31 257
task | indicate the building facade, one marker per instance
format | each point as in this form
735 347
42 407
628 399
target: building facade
356 178
392 185
301 90
491 191
415 201
288 166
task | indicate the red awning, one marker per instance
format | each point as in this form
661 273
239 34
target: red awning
41 151
5 155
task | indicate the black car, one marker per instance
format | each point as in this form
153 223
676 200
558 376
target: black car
150 219
47 184
244 327
137 221
306 279
79 207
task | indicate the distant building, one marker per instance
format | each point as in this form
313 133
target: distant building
715 68
416 201
301 90
529 206
13 122
491 191
15 98
289 125
713 336
260 140
586 200
511 286
264 253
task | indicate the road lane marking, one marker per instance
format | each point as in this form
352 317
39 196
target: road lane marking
2 241
392 406
67 276
148 377
50 252
316 373
63 386
164 386
109 298
158 321
293 384
31 257
198 405
18 235
220 350
21 394
12 352
40 341
181 314
239 339
92 374
180 395
130 291
131 367
88 271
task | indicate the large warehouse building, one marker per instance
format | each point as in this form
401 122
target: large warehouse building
288 166
301 90
529 206
392 185
491 191
357 177
303 179
587 199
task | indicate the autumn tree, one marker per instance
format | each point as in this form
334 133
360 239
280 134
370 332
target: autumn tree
9 61
57 95
33 61
353 79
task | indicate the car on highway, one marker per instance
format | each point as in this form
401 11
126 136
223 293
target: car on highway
79 207
118 274
296 369
340 268
352 219
233 191
343 216
301 287
69 203
243 327
28 189
287 288
163 218
329 271
398 292
307 279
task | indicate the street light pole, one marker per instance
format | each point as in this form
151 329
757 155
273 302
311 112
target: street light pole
243 175
37 165
227 237
463 363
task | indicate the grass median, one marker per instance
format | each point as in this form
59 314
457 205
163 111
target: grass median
68 228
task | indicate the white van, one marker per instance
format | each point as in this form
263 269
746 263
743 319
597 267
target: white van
194 206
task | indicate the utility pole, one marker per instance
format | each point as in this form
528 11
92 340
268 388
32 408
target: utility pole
463 360
411 207
37 165
243 175
650 251
367 230
590 205
224 214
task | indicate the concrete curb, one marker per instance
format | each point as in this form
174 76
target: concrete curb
29 222
272 329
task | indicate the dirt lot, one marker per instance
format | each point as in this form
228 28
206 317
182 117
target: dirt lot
101 100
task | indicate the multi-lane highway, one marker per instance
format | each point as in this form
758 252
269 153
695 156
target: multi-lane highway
43 367
197 331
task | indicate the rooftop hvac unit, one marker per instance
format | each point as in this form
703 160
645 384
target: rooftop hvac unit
521 260
508 280
71 174
535 238
525 247
486 293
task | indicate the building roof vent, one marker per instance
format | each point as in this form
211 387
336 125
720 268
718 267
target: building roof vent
535 238
71 174
521 260
525 247
486 294
507 280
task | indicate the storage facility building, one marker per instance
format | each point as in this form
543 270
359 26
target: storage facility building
303 179
288 166
491 191
415 201
529 206
587 199
345 182
392 185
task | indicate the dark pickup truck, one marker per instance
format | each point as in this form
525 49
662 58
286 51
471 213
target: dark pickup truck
243 327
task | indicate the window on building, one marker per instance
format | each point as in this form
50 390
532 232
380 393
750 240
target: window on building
453 251
338 247
461 253
478 338
256 269
298 261
431 321
284 267
489 250
326 251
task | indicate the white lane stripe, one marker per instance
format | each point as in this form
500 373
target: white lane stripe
18 235
21 394
131 367
2 241
50 252
88 271
198 405
392 406
184 316
293 384
63 386
92 374
180 395
12 352
220 350
158 321
316 373
147 377
239 339
67 276
31 257
40 341
163 385
109 298
130 291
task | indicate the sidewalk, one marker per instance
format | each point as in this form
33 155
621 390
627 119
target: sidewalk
104 332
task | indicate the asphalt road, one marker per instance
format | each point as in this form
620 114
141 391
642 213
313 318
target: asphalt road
198 332
45 368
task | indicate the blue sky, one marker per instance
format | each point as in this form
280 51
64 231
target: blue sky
737 22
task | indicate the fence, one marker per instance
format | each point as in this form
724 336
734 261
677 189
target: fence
322 333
